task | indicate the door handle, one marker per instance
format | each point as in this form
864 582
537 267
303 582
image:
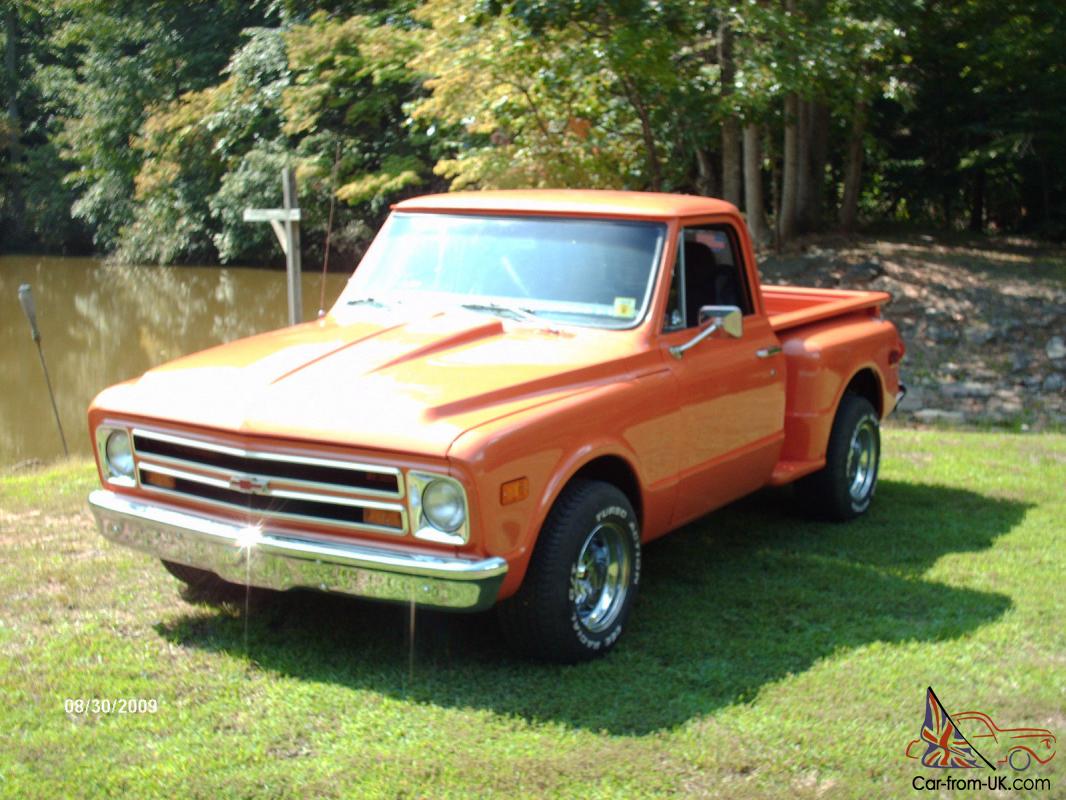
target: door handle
767 352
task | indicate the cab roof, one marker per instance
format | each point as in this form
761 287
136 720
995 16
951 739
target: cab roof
571 202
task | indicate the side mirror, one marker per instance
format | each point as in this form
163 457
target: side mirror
720 318
728 319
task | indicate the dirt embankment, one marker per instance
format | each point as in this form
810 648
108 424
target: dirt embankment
984 320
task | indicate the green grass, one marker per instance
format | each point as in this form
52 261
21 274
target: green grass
768 656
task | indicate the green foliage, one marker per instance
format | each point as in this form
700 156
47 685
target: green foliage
126 60
194 147
350 86
139 125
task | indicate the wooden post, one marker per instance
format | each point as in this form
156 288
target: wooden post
292 252
286 224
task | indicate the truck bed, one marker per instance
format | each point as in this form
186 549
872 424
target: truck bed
792 306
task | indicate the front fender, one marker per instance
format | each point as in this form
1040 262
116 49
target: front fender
549 444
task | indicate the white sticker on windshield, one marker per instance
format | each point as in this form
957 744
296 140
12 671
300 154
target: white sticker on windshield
625 306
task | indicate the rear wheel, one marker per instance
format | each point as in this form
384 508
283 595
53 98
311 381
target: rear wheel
844 487
582 579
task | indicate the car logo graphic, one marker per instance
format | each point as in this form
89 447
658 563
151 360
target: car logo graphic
943 744
248 484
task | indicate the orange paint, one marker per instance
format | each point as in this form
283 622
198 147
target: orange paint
486 399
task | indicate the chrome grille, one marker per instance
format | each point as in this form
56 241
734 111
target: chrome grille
270 484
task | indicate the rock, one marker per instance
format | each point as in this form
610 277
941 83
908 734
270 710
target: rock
1032 382
1003 408
979 335
941 335
950 368
1053 383
967 389
1055 348
893 287
864 271
1019 361
932 415
913 401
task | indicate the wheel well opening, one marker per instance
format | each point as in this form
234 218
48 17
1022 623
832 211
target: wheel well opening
866 384
618 472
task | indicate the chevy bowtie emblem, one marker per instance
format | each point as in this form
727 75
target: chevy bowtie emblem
248 485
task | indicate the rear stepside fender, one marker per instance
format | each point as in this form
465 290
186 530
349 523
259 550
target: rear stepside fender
859 353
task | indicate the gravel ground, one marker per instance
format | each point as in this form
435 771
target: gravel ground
984 319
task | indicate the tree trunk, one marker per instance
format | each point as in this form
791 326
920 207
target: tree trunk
849 207
11 65
731 162
705 176
731 174
819 157
804 177
651 151
977 205
753 199
787 219
12 189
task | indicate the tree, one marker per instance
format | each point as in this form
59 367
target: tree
128 58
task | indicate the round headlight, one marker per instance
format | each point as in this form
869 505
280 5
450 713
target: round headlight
443 506
119 453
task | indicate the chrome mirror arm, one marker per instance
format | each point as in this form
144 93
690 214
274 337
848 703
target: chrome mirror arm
679 350
727 318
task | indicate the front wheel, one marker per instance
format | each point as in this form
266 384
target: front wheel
582 579
844 487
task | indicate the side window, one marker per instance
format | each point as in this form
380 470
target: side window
712 272
708 272
675 313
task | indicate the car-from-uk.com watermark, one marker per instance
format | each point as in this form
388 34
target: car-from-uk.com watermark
980 743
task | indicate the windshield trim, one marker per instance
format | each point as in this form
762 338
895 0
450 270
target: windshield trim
657 257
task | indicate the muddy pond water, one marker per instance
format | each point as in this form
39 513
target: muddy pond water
101 324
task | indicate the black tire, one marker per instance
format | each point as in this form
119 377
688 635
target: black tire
199 581
560 614
845 487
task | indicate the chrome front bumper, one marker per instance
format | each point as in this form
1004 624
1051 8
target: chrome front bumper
272 560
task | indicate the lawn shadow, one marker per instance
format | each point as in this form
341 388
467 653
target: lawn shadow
741 598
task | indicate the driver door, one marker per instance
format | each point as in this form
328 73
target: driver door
731 390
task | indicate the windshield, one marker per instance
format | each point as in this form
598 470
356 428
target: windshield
591 272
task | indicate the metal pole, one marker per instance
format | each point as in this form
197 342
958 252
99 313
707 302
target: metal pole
292 251
30 309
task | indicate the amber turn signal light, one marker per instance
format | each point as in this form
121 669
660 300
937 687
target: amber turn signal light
158 479
514 491
382 518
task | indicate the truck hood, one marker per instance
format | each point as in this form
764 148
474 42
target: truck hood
378 380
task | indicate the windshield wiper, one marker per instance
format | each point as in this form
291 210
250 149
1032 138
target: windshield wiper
515 312
524 314
370 301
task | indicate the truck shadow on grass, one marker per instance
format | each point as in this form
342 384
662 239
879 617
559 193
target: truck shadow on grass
741 598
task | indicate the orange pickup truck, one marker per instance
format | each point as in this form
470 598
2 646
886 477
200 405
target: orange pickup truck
515 392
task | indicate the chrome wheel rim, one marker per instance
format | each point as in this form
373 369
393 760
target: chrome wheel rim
862 460
599 579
